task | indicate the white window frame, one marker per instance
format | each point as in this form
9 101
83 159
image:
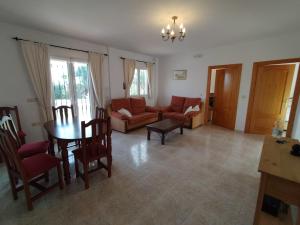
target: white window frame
71 76
139 68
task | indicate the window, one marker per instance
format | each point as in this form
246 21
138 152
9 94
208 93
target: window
139 86
71 85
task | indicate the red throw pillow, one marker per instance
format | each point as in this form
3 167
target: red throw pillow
177 104
138 105
117 104
191 102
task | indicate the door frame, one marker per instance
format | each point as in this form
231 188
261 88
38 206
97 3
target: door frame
237 66
256 66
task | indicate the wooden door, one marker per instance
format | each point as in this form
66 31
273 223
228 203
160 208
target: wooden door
227 85
272 86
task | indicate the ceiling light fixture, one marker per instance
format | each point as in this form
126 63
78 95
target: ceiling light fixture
170 32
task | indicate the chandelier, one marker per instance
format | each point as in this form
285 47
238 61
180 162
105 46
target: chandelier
170 32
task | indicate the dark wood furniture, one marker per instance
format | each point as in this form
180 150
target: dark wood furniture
101 113
94 148
24 150
163 127
63 111
280 176
6 111
65 132
30 170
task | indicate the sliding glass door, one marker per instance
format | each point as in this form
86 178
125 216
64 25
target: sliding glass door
71 85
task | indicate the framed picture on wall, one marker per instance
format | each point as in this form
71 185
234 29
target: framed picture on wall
180 75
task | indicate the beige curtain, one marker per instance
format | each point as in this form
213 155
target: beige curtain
150 74
129 67
96 68
38 66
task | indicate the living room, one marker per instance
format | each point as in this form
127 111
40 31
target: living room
201 173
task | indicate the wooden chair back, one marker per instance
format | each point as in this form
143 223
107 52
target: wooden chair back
7 123
100 142
101 113
8 149
63 112
6 111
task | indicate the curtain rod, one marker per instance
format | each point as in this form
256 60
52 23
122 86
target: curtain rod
138 60
56 46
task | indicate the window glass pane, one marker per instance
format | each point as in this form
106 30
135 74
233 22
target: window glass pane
134 86
60 82
143 82
82 89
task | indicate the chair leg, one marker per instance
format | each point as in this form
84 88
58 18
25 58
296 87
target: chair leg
98 163
76 166
28 196
109 163
46 176
86 175
12 181
60 177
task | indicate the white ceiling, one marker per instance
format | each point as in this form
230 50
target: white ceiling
136 24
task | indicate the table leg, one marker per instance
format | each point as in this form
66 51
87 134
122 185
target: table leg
163 138
149 134
51 146
260 198
181 130
64 153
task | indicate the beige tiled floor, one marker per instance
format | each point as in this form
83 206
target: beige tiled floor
208 176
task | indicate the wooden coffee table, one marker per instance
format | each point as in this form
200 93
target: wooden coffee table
163 127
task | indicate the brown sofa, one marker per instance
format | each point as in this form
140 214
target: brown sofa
141 114
177 108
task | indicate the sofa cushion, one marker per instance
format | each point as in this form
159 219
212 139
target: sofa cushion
125 112
119 115
119 103
174 116
177 104
138 105
141 117
191 102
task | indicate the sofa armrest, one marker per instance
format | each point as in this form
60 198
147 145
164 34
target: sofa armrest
152 109
165 109
119 115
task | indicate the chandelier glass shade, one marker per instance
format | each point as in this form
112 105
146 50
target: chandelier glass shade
172 32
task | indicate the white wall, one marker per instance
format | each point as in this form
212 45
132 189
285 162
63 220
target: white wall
280 47
15 86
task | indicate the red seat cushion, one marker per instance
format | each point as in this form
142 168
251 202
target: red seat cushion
38 164
177 104
138 105
191 102
141 117
117 104
93 152
33 148
174 116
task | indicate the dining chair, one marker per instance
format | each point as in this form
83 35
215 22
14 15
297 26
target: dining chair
27 149
63 112
93 149
30 170
101 113
6 111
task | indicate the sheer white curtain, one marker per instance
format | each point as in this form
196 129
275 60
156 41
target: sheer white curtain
96 68
129 67
38 66
150 74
